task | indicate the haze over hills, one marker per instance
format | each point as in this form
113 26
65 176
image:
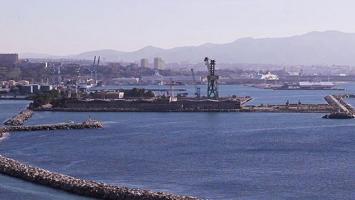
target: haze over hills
314 48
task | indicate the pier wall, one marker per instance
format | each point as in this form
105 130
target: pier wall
292 108
162 105
183 105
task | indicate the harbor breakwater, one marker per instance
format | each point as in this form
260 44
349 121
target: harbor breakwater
61 126
88 188
77 186
20 118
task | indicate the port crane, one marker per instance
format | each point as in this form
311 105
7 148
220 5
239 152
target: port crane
97 66
93 70
197 89
59 73
212 90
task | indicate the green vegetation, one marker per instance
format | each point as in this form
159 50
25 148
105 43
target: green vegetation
44 98
128 93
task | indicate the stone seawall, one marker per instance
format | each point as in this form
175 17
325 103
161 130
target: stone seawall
87 188
47 127
20 118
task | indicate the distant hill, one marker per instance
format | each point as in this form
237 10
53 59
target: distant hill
36 55
314 48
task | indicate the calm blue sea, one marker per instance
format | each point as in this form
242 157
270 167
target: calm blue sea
208 155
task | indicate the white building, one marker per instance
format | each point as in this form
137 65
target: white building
270 77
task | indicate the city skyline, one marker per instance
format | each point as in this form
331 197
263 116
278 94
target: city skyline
70 27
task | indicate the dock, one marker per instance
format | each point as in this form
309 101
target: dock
291 108
232 104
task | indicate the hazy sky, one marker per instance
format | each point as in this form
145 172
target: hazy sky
72 26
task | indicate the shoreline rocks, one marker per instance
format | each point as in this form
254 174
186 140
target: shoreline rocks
89 124
77 186
20 118
2 132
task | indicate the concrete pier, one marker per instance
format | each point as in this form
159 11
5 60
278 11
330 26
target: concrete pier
20 118
291 108
73 185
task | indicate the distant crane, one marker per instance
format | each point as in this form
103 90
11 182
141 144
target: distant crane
96 68
93 70
212 90
197 89
78 74
59 73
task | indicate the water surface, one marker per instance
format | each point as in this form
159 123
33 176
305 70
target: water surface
209 155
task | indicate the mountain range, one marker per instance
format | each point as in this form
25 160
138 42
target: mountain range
314 48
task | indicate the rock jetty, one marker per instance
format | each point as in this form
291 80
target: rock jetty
66 183
89 124
20 118
87 188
